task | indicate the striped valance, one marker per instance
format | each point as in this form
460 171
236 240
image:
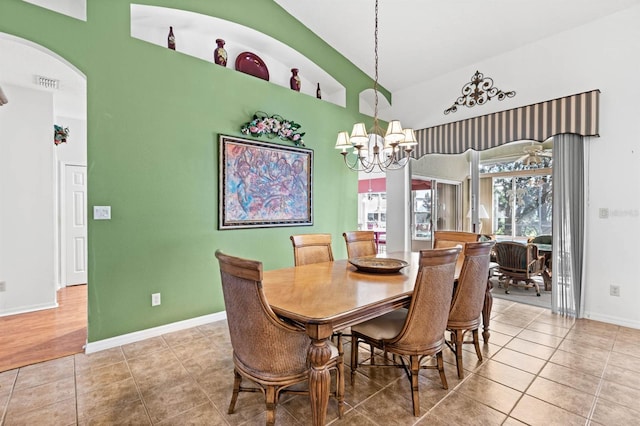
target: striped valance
572 114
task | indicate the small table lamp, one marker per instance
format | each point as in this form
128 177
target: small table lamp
482 214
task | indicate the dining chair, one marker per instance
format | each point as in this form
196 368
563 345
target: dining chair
360 243
417 332
468 299
315 248
267 351
311 248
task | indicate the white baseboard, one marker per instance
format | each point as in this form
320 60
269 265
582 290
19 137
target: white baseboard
136 336
28 309
623 322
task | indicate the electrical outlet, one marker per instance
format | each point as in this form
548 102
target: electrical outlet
155 299
614 290
3 286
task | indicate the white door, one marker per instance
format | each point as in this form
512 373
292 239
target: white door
74 225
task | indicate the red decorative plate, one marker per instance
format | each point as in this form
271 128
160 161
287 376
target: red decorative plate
250 63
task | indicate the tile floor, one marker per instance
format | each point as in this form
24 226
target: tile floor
539 368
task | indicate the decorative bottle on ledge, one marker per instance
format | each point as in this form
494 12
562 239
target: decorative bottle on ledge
219 54
294 81
171 39
318 93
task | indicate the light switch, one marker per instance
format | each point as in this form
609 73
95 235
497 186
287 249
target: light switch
101 212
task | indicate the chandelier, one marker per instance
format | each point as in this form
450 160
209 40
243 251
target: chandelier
376 150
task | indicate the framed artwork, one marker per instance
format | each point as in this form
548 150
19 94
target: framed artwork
264 184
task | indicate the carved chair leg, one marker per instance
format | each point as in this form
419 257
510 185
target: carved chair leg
443 377
271 395
457 346
236 389
476 343
414 364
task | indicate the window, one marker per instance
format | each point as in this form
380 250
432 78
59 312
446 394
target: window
373 211
522 205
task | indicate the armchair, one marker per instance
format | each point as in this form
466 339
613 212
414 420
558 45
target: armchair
518 263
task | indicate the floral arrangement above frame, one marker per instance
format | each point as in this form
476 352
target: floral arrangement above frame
273 126
60 134
262 184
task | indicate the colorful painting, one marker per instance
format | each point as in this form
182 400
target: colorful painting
264 184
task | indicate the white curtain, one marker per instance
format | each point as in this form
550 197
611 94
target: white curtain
568 223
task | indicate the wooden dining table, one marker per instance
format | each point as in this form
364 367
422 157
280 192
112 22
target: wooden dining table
330 296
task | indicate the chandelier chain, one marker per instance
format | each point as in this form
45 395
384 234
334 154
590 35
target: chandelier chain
375 81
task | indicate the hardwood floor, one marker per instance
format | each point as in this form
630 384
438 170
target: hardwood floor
44 335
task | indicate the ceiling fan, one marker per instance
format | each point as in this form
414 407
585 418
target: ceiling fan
534 154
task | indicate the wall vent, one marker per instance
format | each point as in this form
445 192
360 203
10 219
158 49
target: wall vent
46 82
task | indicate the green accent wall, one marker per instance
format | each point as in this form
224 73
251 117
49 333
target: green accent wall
154 116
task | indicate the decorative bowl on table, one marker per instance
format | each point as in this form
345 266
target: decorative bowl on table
378 265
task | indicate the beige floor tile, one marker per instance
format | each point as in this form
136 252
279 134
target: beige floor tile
164 401
143 347
98 401
519 360
145 369
474 412
609 413
595 367
129 413
187 377
98 359
7 381
620 394
554 330
596 340
627 347
509 330
570 377
530 348
89 380
565 397
540 338
45 372
584 349
534 412
497 338
493 394
354 418
26 399
513 422
625 361
506 375
59 413
183 337
621 376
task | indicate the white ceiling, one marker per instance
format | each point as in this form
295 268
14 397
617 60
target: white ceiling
422 39
418 39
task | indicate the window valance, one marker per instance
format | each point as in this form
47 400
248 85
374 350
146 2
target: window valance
577 114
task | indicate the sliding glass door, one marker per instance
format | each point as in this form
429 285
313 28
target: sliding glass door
435 206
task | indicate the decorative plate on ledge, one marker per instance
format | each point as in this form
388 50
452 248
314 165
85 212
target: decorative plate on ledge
378 265
250 63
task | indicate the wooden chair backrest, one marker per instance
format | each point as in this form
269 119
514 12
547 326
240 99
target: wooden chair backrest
446 239
360 243
468 298
423 330
311 248
261 342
